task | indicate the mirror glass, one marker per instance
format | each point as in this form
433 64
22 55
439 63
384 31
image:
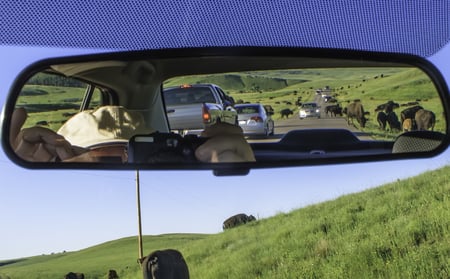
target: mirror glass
153 111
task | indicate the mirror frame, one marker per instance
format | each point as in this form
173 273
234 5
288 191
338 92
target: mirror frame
260 52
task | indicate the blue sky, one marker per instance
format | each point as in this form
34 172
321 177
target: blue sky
52 211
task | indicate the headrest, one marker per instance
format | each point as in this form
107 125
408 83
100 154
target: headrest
106 124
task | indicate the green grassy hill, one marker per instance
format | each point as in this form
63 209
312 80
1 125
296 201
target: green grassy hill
399 230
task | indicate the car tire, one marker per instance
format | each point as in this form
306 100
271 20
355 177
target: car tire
266 131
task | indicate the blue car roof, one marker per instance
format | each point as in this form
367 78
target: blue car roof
418 27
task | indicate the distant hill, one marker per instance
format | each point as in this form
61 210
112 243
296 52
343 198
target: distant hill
399 230
244 82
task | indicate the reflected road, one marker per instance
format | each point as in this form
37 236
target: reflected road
295 123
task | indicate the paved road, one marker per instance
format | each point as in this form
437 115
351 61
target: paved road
295 123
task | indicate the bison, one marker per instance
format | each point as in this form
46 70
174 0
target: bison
408 125
74 275
409 113
165 264
356 110
333 110
286 112
381 119
237 220
42 122
425 119
392 120
112 274
387 107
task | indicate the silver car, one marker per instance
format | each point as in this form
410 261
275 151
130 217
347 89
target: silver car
255 120
309 110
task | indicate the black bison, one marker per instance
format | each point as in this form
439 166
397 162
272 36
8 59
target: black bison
237 220
409 113
390 106
112 274
42 122
356 110
392 120
74 275
381 119
286 112
387 107
425 119
386 115
333 110
165 264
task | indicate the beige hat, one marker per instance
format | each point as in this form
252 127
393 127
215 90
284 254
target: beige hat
102 125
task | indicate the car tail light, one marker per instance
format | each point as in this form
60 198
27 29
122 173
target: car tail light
206 116
256 118
185 86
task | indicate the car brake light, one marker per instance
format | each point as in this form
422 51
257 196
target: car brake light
205 114
256 118
185 86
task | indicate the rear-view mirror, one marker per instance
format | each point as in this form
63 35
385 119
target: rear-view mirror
149 110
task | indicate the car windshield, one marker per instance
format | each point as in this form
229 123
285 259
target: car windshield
311 105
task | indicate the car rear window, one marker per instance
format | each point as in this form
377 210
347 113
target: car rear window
247 109
189 95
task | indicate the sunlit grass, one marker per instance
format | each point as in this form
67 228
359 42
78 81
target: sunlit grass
399 230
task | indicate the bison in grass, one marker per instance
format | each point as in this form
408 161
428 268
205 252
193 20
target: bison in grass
356 110
333 110
73 275
407 125
236 220
382 119
386 115
112 274
425 120
410 113
392 120
387 107
165 264
286 112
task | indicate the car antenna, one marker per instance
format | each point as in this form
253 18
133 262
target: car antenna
138 201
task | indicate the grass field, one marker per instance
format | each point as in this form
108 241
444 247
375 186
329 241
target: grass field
398 230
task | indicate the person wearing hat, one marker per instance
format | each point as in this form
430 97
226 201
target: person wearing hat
110 127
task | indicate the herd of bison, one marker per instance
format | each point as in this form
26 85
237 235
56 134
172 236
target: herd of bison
414 117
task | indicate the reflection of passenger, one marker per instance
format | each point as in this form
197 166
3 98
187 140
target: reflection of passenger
112 124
